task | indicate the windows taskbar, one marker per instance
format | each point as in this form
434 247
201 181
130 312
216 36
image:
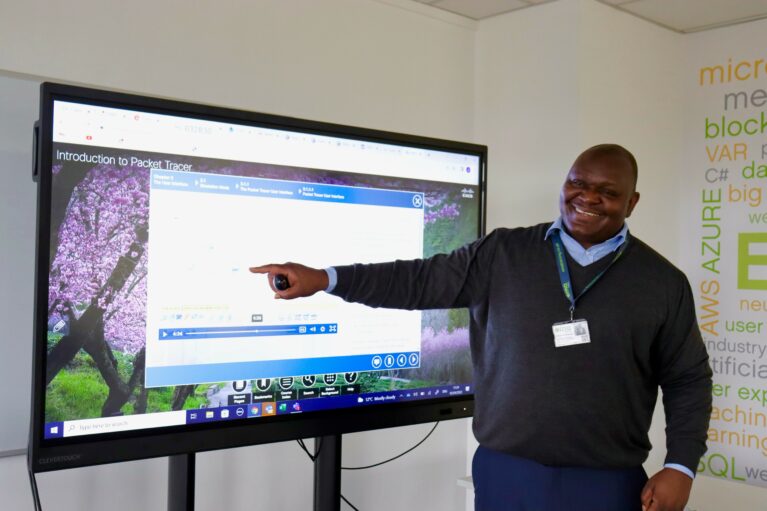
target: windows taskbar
345 398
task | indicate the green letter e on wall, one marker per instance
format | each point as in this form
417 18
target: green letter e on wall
746 259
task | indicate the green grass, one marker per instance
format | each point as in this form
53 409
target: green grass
160 399
76 393
53 339
79 392
458 318
374 383
198 399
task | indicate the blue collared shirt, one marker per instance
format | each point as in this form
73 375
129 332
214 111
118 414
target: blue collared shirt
332 278
586 256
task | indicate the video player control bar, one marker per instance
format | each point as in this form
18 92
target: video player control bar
167 334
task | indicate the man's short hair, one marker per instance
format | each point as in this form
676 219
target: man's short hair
611 151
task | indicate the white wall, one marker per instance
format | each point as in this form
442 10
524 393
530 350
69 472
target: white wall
526 80
18 196
385 65
355 62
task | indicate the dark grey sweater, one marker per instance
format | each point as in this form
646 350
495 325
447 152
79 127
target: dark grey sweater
587 405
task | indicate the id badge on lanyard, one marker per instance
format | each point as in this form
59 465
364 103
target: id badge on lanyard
569 333
575 331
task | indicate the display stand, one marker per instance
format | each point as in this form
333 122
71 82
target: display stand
327 473
327 477
181 482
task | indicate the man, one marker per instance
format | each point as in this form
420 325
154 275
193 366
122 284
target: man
574 327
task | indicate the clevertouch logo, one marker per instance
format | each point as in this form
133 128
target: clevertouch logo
59 459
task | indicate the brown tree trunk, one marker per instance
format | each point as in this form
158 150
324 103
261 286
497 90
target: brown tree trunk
179 396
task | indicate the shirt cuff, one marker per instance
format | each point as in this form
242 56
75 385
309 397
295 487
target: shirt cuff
332 279
680 468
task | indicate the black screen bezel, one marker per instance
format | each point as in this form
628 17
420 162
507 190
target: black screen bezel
46 455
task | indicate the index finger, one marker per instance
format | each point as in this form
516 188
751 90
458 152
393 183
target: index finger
267 268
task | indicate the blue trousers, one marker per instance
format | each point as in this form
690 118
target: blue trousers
507 483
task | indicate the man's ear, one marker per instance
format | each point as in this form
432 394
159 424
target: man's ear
632 203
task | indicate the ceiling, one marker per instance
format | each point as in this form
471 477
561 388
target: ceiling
682 16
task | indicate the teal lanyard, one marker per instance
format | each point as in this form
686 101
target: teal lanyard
564 273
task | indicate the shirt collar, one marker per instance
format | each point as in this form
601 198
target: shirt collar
618 239
585 256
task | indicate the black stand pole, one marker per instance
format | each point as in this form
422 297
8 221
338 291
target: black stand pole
327 473
181 482
327 477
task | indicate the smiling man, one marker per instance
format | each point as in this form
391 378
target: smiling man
599 194
575 325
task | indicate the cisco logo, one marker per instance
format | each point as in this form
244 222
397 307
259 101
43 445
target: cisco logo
59 459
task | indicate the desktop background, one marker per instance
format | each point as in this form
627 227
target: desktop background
97 286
